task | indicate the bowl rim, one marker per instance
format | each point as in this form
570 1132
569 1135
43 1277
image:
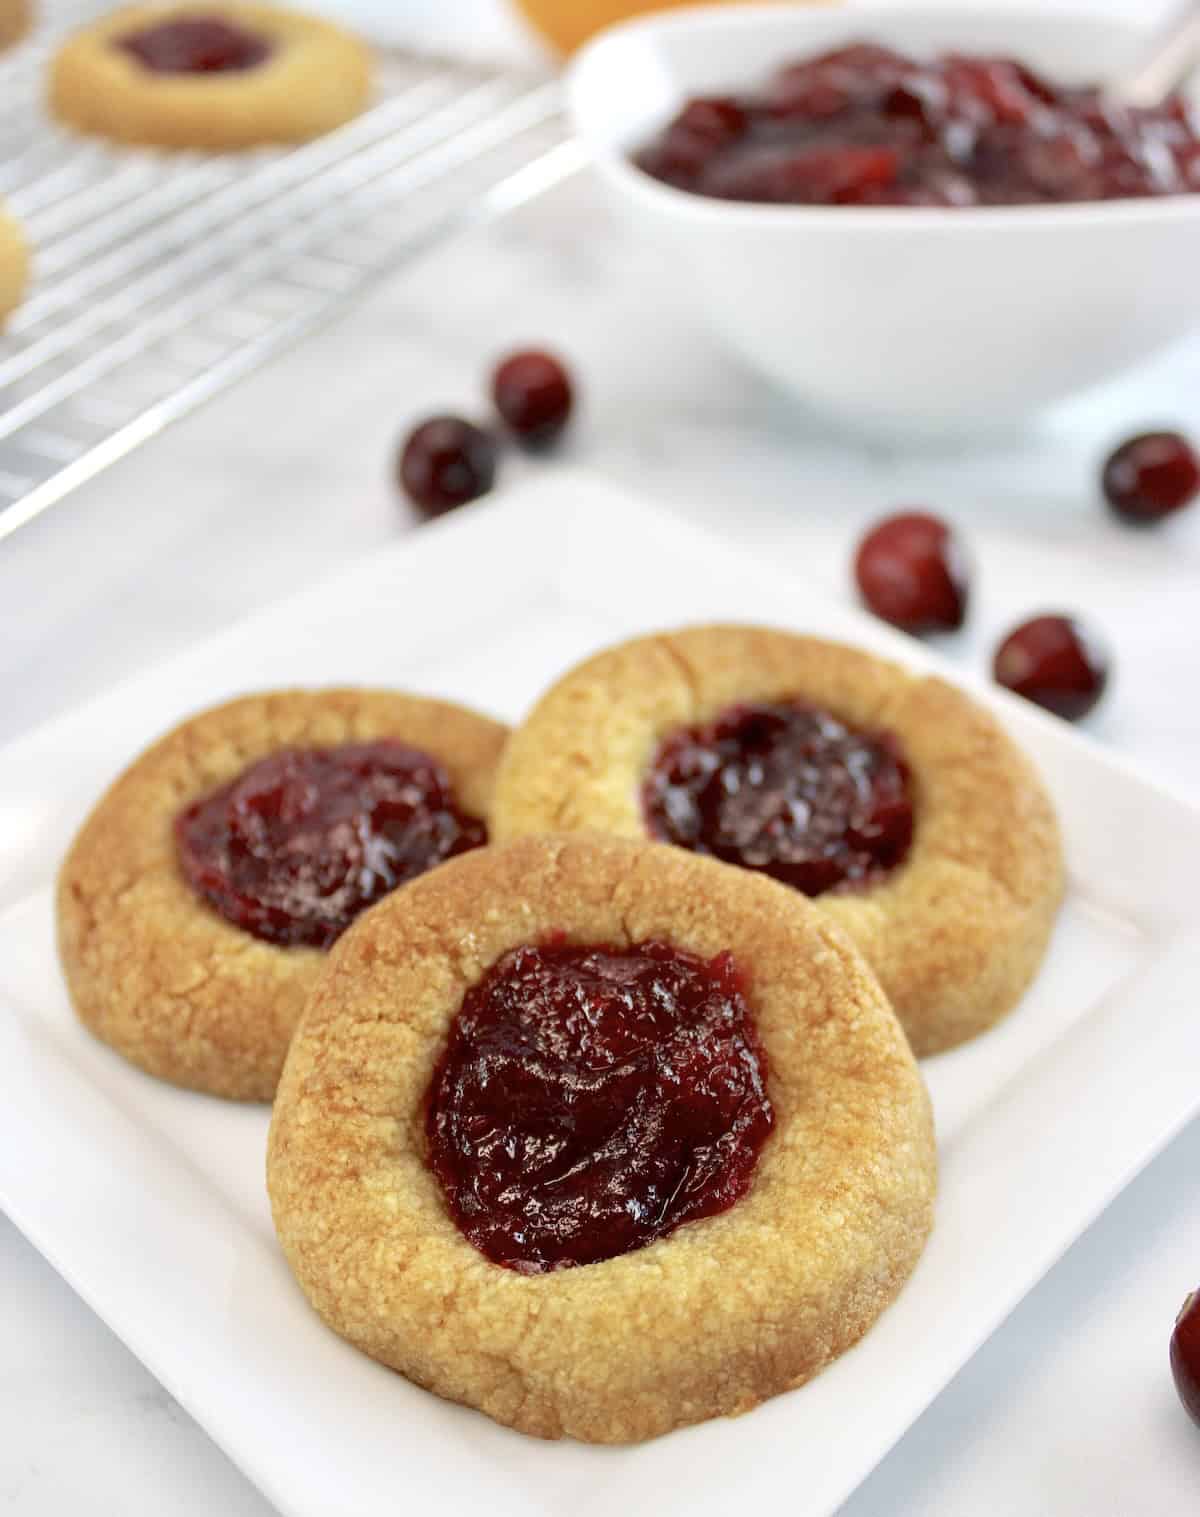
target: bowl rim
615 165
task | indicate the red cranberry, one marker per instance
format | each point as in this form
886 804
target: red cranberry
1054 662
1151 476
445 463
533 394
912 572
1185 1355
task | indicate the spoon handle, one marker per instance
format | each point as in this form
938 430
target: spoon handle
1173 56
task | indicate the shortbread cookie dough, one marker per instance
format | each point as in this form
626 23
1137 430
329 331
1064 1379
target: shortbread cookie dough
197 901
217 76
511 1069
894 800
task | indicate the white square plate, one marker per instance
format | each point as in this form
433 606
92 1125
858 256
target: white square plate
151 1201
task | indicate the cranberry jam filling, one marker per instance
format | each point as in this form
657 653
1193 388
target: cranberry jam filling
304 840
786 789
197 44
867 126
590 1100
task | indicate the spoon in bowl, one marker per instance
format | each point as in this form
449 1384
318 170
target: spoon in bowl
1173 57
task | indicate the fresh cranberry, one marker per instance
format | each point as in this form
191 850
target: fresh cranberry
532 392
912 572
447 462
593 1099
1185 1355
1152 476
1054 662
196 44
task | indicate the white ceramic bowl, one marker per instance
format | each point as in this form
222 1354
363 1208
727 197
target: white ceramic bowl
896 321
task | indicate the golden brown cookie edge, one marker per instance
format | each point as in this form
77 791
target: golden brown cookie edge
612 1352
321 81
957 933
150 969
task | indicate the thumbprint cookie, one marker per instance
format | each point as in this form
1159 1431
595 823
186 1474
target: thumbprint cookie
892 799
214 76
601 1138
198 901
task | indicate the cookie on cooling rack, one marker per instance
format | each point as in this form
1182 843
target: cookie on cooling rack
601 1138
894 800
15 19
14 264
217 76
197 902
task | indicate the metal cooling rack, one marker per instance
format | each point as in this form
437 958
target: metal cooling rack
160 279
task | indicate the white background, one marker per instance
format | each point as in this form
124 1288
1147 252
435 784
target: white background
1069 1410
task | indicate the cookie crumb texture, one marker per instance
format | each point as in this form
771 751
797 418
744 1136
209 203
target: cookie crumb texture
314 78
151 969
726 1311
956 932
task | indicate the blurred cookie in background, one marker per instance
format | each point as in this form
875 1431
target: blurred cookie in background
222 76
15 19
567 24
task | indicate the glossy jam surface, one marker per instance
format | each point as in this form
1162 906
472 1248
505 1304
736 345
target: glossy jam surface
304 840
867 126
197 44
786 789
590 1100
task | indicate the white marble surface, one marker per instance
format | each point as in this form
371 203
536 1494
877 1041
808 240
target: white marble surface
1069 1409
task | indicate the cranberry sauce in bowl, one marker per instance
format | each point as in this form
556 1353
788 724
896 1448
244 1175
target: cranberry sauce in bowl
942 305
866 125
